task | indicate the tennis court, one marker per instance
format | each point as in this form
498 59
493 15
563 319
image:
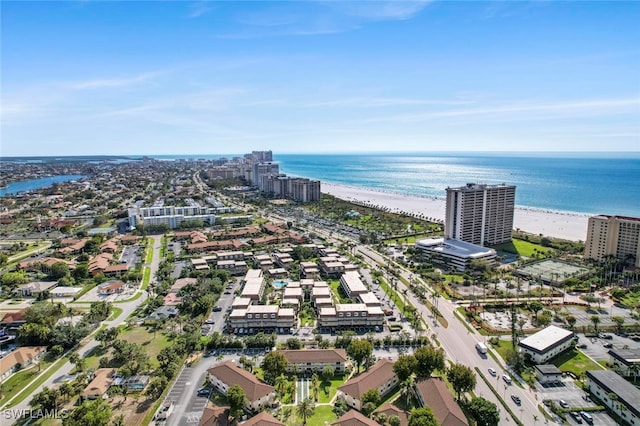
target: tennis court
550 270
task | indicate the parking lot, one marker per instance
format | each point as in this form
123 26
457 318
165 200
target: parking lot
575 397
187 410
595 347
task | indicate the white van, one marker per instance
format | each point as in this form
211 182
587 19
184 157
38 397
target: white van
506 379
481 348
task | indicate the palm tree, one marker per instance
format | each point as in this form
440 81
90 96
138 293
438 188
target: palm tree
305 410
634 369
407 386
595 319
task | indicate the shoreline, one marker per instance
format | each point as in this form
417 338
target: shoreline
551 223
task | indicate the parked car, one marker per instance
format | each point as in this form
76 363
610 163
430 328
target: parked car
581 346
563 403
204 391
587 417
217 309
576 417
516 399
608 345
492 372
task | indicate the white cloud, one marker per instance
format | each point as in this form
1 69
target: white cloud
110 82
199 8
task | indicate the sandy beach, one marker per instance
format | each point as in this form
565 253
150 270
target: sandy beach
567 225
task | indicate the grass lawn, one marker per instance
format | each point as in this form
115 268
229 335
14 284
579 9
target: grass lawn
522 248
503 348
322 415
146 277
148 255
18 381
115 313
453 278
576 362
27 391
337 292
329 389
152 345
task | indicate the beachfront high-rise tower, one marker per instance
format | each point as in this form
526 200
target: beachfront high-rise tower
617 236
480 214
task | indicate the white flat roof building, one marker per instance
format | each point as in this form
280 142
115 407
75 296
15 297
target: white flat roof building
546 343
455 253
352 284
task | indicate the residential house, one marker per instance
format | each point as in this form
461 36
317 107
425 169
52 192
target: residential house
20 358
354 418
98 387
262 419
35 288
111 287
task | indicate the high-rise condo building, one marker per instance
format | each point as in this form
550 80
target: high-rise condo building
617 236
480 214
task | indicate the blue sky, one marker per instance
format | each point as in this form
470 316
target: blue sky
183 77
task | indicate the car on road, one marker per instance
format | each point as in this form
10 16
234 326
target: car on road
227 292
217 309
576 417
492 372
506 379
203 391
516 399
563 403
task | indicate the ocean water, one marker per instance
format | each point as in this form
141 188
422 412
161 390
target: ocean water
584 183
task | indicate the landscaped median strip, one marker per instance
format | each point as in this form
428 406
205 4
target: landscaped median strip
502 401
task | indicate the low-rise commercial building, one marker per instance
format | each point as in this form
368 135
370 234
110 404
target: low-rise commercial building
352 316
546 344
455 254
625 360
548 374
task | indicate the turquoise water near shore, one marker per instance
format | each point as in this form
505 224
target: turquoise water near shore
33 184
585 183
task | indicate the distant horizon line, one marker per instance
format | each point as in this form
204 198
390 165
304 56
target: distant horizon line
457 152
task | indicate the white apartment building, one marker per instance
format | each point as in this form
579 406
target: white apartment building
626 404
480 214
265 318
617 236
171 216
352 285
351 316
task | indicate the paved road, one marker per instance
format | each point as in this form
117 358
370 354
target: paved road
85 349
459 345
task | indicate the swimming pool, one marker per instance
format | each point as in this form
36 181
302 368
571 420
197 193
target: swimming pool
279 284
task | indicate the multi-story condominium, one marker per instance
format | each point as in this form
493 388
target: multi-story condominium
617 236
265 318
305 190
351 316
259 156
625 403
261 169
254 284
258 394
381 376
171 216
352 285
455 253
480 214
309 269
284 260
314 360
235 267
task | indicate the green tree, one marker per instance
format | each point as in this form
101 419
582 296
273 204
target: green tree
619 321
595 319
372 396
77 360
13 279
571 321
536 307
422 417
360 350
429 360
273 365
305 410
90 413
327 373
237 399
462 378
484 412
405 366
59 270
47 399
394 420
